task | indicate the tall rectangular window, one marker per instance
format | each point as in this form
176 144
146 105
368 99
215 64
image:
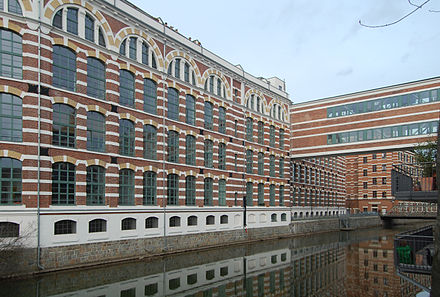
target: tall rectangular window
173 189
190 110
95 131
64 125
150 96
249 193
272 195
144 53
282 139
126 187
208 115
249 161
173 104
126 138
10 181
260 132
177 68
190 190
190 153
260 194
272 165
89 24
222 156
208 191
63 183
150 142
11 119
173 146
272 136
63 68
222 192
222 120
11 61
126 88
282 167
149 195
72 20
95 78
260 163
208 153
249 129
132 48
282 195
186 72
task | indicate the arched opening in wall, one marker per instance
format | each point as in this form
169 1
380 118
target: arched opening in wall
8 229
321 213
301 214
273 217
311 214
174 283
128 224
64 227
295 215
192 221
283 217
175 221
151 222
97 225
325 214
224 219
210 220
307 214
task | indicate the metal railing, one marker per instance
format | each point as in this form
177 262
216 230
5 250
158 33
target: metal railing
414 250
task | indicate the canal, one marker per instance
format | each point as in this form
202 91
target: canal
356 263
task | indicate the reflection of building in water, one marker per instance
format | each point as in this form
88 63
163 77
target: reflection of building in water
371 271
318 186
369 180
261 274
318 271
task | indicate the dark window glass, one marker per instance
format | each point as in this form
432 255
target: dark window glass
272 136
10 181
192 221
222 156
63 126
8 229
122 47
249 129
282 167
281 139
281 198
64 68
208 153
132 48
249 161
95 188
208 115
272 195
126 187
64 227
95 131
11 61
173 146
272 165
10 118
97 225
95 78
173 104
190 190
249 193
63 183
149 188
177 68
208 191
72 20
58 19
101 39
173 189
190 110
260 194
144 53
150 142
222 192
128 224
126 88
190 150
126 138
151 222
186 72
150 96
260 132
222 120
260 163
89 28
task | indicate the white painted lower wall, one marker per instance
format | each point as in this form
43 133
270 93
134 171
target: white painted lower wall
301 212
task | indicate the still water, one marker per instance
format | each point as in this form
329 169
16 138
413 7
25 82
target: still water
356 263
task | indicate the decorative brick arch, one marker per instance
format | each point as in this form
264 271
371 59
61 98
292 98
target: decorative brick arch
283 107
65 100
127 31
179 54
67 159
11 154
97 108
250 92
212 71
7 24
11 90
53 5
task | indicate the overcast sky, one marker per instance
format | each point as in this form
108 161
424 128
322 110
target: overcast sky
316 46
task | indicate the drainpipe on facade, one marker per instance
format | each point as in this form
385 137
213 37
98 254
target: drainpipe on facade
39 141
164 186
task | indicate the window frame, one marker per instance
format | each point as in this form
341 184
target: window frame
13 53
150 142
126 187
64 68
95 131
95 185
10 181
173 146
149 188
63 190
11 121
127 132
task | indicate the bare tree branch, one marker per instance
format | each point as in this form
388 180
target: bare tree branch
399 20
431 10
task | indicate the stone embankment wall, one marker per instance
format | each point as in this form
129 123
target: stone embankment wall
63 257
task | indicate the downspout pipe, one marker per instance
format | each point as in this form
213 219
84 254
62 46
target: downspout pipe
164 186
40 267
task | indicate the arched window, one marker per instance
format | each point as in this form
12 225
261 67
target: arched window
210 220
95 131
249 194
10 118
10 181
9 229
283 217
190 190
190 153
222 120
11 60
192 221
273 217
64 68
13 6
151 222
150 96
208 115
173 146
173 189
126 187
222 192
149 188
175 221
128 224
89 28
126 88
139 50
126 137
173 104
95 186
63 126
97 225
150 142
63 183
188 75
224 219
190 110
208 191
215 85
64 227
208 153
95 78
